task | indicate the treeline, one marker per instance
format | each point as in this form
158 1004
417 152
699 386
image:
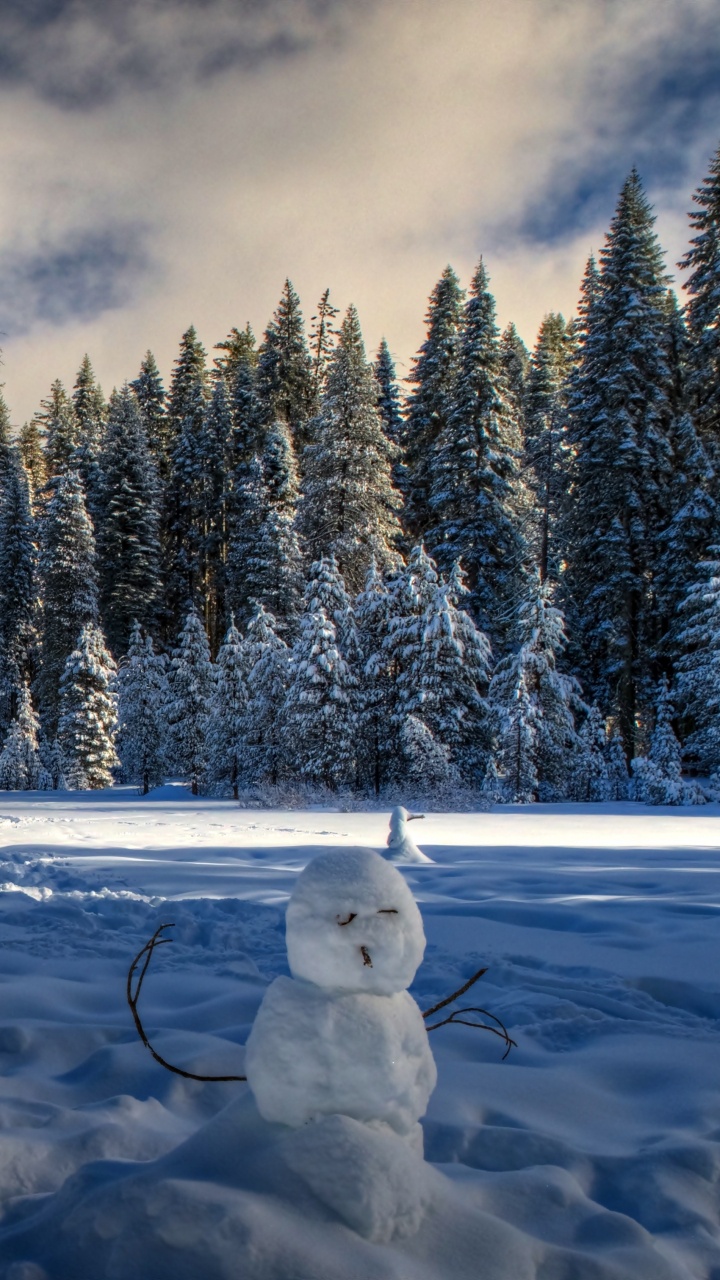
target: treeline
506 579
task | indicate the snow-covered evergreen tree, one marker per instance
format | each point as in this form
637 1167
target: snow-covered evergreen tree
657 777
376 735
142 691
475 474
284 370
430 402
262 741
273 573
18 587
31 440
318 718
349 506
517 756
150 395
323 335
546 436
426 764
61 430
227 717
239 350
591 780
531 674
703 309
191 682
620 422
89 410
698 666
616 764
183 537
390 410
128 534
21 768
325 589
88 713
69 585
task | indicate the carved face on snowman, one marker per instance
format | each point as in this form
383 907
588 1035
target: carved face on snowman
343 1036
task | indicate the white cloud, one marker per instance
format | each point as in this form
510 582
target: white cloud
430 134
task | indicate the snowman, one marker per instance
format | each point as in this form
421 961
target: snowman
340 1051
401 846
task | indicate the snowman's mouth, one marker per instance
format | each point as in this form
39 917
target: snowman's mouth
366 957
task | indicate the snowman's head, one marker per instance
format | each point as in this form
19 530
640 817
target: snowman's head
353 925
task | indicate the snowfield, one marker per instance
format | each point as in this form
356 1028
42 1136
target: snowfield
592 1153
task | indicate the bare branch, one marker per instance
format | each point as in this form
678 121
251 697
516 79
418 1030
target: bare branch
132 999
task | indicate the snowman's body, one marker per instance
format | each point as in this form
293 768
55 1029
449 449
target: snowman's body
401 846
343 1036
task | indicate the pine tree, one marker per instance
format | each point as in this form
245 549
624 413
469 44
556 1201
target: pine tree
89 410
591 780
318 720
273 573
18 588
262 743
88 713
69 585
128 535
31 444
191 681
226 717
245 498
61 430
427 767
20 766
531 676
376 737
142 703
473 497
546 437
515 365
285 374
518 750
445 682
323 335
150 395
249 511
239 352
183 533
213 513
617 770
325 589
698 666
429 404
703 309
349 505
657 777
620 415
391 414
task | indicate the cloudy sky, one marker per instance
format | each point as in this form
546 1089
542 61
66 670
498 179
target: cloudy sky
167 162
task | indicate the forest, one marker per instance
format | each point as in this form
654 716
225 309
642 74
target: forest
285 570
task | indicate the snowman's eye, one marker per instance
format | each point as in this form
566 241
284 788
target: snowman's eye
349 920
387 911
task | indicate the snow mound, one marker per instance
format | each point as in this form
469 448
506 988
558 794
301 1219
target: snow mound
353 925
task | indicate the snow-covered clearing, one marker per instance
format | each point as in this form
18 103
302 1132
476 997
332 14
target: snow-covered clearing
592 1152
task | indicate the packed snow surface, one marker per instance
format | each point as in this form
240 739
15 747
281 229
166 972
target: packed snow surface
591 1153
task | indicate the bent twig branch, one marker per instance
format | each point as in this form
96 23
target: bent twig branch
455 1016
132 999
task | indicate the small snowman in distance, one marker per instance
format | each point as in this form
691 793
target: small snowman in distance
402 847
339 1052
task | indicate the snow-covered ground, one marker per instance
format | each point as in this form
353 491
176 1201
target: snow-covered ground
592 1152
